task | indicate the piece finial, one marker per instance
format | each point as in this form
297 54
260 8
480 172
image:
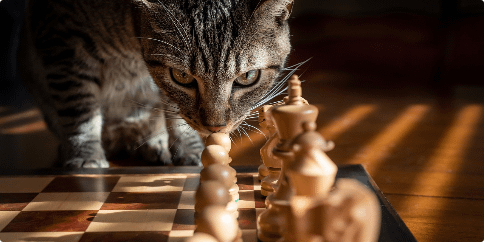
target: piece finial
295 91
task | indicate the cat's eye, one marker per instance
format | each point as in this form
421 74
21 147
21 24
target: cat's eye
181 77
248 78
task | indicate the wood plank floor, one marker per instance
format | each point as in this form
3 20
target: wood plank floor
423 147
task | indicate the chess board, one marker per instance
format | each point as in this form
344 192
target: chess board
134 204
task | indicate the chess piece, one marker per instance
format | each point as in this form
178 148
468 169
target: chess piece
271 163
288 120
305 218
263 171
218 172
312 173
351 213
221 139
225 175
201 237
215 154
211 193
217 222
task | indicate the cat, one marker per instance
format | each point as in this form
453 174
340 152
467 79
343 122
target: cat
150 76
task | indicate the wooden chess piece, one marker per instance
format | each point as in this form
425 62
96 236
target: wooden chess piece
312 173
215 154
217 222
351 213
201 237
211 193
263 170
305 218
218 172
225 175
271 163
288 120
221 139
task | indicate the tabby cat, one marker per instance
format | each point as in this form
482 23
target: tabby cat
149 76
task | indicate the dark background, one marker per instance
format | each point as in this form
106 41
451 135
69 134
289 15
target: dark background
378 51
439 41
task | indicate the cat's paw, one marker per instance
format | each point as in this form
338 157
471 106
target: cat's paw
155 153
86 163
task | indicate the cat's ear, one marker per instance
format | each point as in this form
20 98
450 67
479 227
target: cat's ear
281 9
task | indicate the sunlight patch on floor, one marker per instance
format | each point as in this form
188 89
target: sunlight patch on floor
341 124
378 149
448 157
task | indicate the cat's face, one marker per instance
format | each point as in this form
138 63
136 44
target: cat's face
215 58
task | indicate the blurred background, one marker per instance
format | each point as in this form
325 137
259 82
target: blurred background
399 87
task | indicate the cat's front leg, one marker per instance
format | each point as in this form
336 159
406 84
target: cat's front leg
186 145
81 145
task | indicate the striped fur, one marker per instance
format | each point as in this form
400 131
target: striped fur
100 71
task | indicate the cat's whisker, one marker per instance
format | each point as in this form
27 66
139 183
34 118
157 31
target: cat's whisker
230 137
259 131
183 134
276 90
163 42
177 25
246 134
297 65
240 134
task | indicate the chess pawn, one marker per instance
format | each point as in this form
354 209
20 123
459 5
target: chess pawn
201 237
221 139
312 173
217 222
218 172
351 213
225 175
211 193
271 163
217 154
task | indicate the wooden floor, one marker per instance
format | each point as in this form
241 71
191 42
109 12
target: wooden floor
423 146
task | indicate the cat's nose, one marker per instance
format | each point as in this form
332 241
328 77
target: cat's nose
215 129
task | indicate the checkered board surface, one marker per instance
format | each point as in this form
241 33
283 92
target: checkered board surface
112 207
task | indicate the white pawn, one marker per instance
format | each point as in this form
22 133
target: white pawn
225 175
221 139
217 222
201 237
211 193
